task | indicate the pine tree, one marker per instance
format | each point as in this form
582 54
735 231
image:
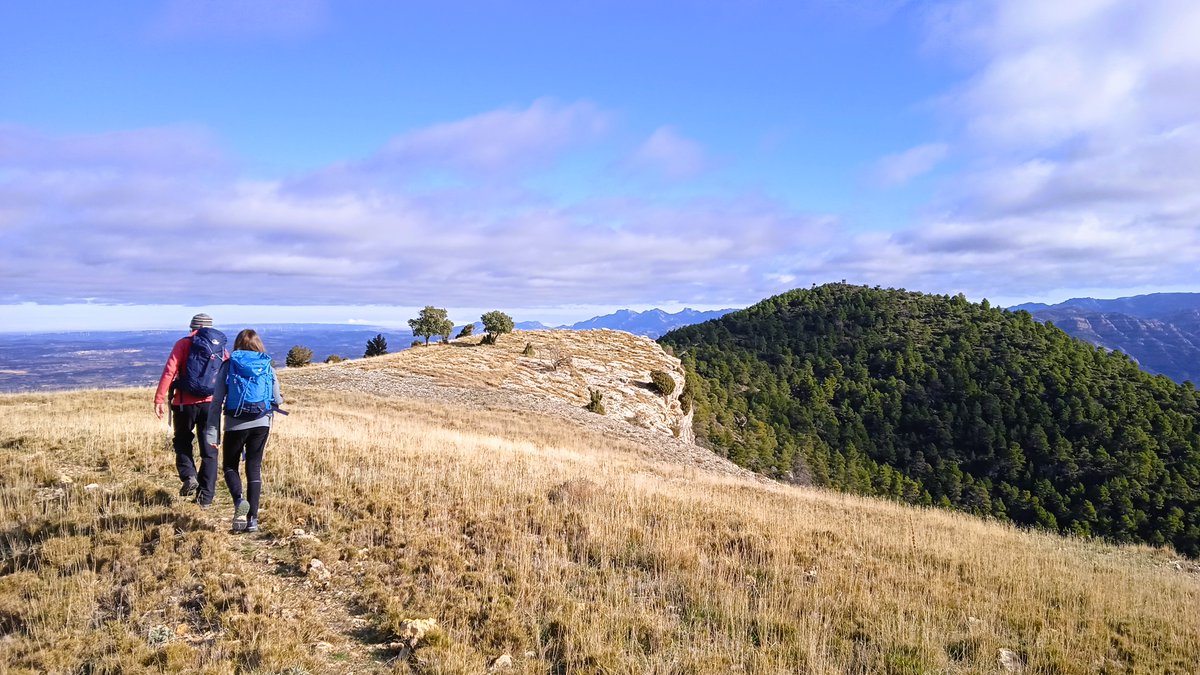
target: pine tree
376 346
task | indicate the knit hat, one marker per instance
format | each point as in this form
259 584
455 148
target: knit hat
201 321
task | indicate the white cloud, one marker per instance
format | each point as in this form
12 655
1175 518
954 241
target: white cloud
670 154
898 169
1080 140
109 228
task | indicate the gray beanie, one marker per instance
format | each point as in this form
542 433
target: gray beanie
201 321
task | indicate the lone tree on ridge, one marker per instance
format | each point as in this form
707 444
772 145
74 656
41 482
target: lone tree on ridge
496 323
430 322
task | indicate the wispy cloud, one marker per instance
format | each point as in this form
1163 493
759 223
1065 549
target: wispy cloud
898 169
670 154
162 236
500 139
238 19
1080 143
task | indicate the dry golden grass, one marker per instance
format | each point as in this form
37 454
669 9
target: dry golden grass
530 536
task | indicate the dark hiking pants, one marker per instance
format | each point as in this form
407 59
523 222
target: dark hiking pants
253 441
189 421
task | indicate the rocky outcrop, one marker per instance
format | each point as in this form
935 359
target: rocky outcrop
553 365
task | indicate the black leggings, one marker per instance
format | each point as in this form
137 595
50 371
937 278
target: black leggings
254 442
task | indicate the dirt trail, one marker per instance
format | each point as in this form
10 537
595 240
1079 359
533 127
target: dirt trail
350 644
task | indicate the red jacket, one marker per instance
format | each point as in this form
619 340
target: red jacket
178 357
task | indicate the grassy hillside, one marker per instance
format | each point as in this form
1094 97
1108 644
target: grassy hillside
932 399
521 534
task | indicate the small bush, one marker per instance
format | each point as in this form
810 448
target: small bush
596 404
467 331
489 339
334 358
529 350
663 383
687 399
417 343
298 357
557 359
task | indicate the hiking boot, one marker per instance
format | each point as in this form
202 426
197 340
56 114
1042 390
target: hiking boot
189 486
252 524
239 515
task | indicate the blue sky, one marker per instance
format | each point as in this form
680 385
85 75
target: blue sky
312 160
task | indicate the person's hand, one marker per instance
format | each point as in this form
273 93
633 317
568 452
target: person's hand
160 409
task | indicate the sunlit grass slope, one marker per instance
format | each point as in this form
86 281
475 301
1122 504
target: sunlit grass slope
532 537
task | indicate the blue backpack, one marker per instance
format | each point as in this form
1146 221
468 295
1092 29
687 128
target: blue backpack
203 364
250 387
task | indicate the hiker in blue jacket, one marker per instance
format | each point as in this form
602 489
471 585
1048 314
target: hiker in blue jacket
247 393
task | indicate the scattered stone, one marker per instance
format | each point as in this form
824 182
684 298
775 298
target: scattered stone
323 647
502 662
1010 662
48 494
530 655
159 636
300 535
414 630
317 570
974 621
91 487
65 480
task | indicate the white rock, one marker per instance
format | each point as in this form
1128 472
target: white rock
297 532
91 487
501 662
413 630
318 570
1010 662
64 479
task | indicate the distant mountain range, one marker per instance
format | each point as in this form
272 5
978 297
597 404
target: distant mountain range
651 323
1160 331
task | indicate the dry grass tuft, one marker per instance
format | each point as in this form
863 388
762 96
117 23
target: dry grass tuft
527 535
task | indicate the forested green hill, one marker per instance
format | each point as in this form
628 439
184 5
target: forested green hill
932 399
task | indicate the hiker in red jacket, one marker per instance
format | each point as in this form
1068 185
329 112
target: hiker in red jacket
188 379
